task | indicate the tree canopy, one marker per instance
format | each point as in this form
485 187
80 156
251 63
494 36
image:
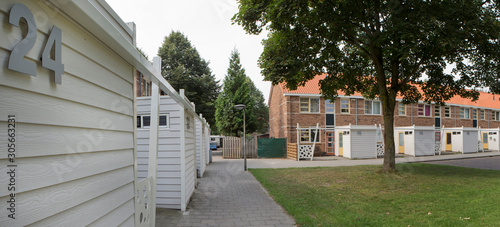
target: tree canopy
183 68
239 89
380 48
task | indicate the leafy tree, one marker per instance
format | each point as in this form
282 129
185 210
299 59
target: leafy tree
183 68
239 89
380 48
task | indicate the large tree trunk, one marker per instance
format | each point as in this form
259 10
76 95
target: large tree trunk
389 148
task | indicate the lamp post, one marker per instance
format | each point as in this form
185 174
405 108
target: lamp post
242 107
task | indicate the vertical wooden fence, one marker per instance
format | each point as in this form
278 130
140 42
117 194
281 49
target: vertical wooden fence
232 147
291 151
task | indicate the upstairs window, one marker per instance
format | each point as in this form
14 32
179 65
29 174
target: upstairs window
474 114
309 105
372 107
344 106
401 109
329 108
464 113
447 112
496 115
424 110
437 111
481 114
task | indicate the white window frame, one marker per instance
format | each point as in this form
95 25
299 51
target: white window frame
310 136
369 108
332 108
463 112
474 114
495 115
308 105
437 109
482 114
142 126
403 106
447 108
348 106
422 114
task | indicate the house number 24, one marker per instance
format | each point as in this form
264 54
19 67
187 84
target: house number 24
18 63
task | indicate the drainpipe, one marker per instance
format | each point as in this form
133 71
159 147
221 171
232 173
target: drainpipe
356 111
411 114
455 116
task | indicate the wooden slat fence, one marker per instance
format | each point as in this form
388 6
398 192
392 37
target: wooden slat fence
232 147
291 151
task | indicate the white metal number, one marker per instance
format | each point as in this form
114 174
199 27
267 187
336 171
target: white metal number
16 60
51 48
54 42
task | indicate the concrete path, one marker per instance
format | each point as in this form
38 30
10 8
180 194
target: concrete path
479 163
227 196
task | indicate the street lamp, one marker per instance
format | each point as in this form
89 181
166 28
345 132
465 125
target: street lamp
242 107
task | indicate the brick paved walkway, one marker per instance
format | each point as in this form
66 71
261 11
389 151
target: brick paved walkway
227 196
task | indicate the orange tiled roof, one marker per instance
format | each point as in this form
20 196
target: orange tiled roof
485 100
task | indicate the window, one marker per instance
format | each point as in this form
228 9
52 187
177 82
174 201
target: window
309 105
401 109
481 114
496 115
329 106
344 106
474 114
145 121
464 113
447 112
424 110
372 107
307 135
437 111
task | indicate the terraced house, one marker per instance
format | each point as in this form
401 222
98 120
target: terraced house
306 107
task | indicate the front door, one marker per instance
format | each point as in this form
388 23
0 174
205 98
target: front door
448 141
330 141
401 143
485 141
341 145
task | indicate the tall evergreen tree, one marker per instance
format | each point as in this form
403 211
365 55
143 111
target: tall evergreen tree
183 68
239 89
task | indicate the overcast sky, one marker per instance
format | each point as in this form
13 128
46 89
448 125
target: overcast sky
207 24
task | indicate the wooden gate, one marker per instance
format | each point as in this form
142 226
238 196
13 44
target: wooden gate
232 147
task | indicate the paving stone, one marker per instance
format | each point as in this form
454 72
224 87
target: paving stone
227 196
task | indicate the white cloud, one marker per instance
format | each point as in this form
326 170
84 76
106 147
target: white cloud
206 23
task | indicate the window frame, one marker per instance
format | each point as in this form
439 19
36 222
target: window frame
308 105
327 103
463 111
371 106
348 108
310 135
482 114
422 113
447 108
474 114
399 109
140 121
437 109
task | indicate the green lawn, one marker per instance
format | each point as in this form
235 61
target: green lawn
418 195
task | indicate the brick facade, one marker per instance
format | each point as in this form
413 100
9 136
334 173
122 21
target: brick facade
284 114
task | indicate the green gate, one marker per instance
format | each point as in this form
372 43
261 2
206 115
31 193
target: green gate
271 148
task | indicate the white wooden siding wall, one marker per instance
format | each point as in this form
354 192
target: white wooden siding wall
364 145
75 141
200 146
424 144
493 140
190 156
457 142
409 142
169 152
470 141
207 144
